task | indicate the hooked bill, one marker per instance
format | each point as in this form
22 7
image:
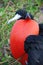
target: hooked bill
16 17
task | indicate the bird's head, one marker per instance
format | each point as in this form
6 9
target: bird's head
21 14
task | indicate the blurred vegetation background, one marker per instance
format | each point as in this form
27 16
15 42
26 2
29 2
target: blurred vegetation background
7 11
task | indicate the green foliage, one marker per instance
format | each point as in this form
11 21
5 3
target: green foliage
6 63
5 2
0 54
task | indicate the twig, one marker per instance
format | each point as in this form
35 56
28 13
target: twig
13 62
19 58
3 61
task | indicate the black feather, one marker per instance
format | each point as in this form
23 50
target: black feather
41 29
23 14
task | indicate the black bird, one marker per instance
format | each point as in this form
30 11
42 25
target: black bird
34 43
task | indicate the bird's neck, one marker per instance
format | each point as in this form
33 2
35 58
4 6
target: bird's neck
27 19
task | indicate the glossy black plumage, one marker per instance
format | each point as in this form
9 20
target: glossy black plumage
41 29
34 48
24 14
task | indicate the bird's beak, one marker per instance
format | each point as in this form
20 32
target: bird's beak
16 17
